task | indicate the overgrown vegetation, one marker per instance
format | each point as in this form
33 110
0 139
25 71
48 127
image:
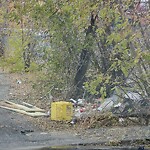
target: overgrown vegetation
93 46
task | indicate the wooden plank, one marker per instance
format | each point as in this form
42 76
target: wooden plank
34 114
28 105
21 107
32 106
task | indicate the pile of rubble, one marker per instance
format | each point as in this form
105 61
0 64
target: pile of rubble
112 111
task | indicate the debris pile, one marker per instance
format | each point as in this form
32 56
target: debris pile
112 111
99 120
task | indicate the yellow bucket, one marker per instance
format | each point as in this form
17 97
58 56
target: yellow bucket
61 111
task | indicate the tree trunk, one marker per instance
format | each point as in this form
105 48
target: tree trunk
4 26
1 48
84 59
81 71
27 57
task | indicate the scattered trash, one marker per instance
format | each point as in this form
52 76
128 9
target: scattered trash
93 114
133 96
108 103
141 148
121 120
19 82
82 109
61 111
73 101
117 105
129 106
43 133
81 102
26 131
74 121
48 113
77 113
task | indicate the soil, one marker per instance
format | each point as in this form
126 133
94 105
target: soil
18 131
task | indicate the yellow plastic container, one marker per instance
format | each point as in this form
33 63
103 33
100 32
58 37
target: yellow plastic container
61 111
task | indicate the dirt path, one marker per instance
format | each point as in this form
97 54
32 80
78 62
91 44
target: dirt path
4 87
12 125
16 131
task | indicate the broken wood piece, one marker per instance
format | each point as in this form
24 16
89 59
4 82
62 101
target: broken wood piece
32 106
22 107
28 105
33 114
